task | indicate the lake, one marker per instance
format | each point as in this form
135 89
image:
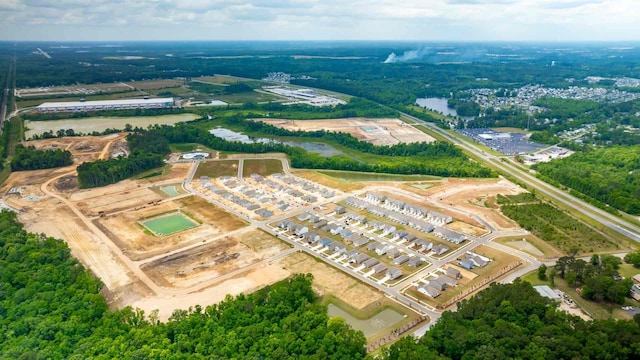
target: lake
439 105
318 148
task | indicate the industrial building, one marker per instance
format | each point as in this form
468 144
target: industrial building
77 106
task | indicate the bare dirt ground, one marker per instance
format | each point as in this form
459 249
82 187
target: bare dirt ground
330 281
219 257
475 196
468 229
246 282
124 195
124 230
375 131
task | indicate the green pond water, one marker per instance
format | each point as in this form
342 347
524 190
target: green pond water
380 321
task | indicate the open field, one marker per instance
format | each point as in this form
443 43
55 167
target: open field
218 257
215 169
100 123
328 280
155 84
209 213
375 131
353 176
92 89
169 224
531 245
263 167
476 196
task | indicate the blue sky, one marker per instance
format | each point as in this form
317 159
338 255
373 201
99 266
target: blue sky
459 20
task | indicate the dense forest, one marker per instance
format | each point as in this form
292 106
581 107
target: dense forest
514 322
51 308
29 158
609 175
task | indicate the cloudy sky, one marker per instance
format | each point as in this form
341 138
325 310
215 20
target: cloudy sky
562 20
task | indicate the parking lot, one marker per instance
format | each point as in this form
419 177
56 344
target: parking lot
505 143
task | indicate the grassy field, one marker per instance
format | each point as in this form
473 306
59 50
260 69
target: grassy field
168 225
101 123
263 167
214 169
327 180
628 271
547 249
559 228
353 176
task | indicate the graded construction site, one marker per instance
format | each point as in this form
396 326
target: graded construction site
166 242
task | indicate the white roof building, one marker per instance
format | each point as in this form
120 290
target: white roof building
74 106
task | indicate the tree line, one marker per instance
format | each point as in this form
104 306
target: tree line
513 321
52 308
609 175
29 158
148 147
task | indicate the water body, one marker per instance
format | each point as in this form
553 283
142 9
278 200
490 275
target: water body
380 321
318 148
440 105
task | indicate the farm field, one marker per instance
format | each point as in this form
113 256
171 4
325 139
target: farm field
375 131
99 124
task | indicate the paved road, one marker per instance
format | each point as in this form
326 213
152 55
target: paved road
395 291
611 221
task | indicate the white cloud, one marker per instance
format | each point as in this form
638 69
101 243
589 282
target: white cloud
319 19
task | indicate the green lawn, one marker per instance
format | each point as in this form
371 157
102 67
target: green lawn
168 225
261 166
214 169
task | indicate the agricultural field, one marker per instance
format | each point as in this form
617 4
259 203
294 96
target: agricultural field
375 131
99 124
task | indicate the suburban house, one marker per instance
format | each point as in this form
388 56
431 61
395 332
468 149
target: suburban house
429 291
393 253
379 268
401 259
449 235
371 262
447 280
453 273
394 273
439 249
415 261
361 258
466 263
437 284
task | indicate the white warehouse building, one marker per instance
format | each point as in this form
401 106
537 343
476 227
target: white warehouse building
75 106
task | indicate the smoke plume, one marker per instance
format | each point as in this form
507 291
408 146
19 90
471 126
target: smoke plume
408 55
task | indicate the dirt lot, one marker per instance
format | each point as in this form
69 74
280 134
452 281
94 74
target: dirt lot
375 131
124 195
330 281
532 245
220 257
476 196
246 282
